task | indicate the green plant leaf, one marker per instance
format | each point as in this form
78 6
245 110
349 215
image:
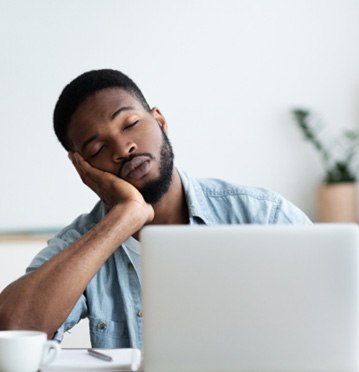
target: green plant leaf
336 170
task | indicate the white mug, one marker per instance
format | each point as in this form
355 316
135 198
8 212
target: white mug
26 351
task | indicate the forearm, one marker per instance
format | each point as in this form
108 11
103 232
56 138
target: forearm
44 298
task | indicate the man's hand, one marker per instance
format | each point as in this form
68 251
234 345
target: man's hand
111 189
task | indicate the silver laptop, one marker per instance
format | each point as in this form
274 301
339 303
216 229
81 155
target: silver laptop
256 298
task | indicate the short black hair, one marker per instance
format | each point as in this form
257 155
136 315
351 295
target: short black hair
83 87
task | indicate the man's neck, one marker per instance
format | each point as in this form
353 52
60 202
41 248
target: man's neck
172 209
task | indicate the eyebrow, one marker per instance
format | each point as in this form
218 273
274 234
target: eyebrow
121 109
113 116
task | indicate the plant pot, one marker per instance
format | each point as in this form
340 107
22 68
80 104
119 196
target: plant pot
337 202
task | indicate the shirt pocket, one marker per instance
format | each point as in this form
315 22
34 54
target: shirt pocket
108 334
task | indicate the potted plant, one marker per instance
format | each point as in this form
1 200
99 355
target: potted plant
337 200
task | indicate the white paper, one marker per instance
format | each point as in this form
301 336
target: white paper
80 360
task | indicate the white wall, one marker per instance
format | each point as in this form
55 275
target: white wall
224 72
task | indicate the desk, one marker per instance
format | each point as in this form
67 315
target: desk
71 359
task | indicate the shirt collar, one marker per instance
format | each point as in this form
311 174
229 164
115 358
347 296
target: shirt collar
198 209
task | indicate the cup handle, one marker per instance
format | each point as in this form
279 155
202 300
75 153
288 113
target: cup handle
51 350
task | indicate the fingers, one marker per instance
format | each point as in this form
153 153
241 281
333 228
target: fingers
75 158
90 176
110 188
72 156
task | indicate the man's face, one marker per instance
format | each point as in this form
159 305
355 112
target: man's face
113 132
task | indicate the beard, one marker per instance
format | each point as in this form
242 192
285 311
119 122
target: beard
154 190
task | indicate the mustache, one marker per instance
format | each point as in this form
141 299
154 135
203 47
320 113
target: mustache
128 158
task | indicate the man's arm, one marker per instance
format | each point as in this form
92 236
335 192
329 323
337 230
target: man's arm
43 299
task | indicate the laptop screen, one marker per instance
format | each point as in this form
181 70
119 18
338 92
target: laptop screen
250 298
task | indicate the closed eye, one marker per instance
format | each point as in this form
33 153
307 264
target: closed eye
97 152
131 125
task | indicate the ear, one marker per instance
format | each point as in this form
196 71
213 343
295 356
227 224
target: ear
161 120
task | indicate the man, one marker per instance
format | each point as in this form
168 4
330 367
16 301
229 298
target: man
119 147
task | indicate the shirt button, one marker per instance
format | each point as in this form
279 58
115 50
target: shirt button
101 325
139 314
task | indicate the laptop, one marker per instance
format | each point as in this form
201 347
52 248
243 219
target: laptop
258 298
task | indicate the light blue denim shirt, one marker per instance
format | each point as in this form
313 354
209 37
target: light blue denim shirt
112 299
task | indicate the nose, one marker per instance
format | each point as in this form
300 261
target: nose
122 149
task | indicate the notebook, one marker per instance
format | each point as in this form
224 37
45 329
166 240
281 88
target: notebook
250 298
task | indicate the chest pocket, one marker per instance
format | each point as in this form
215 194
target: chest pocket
108 334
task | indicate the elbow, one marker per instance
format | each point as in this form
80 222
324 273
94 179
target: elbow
8 321
9 316
18 314
11 319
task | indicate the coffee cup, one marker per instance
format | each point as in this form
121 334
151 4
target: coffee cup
26 351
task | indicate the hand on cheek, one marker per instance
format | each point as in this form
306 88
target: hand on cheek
111 189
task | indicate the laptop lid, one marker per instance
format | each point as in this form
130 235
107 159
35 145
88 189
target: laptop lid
250 298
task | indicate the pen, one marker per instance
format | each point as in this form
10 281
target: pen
99 355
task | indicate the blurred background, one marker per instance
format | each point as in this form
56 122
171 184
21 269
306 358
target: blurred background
225 73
